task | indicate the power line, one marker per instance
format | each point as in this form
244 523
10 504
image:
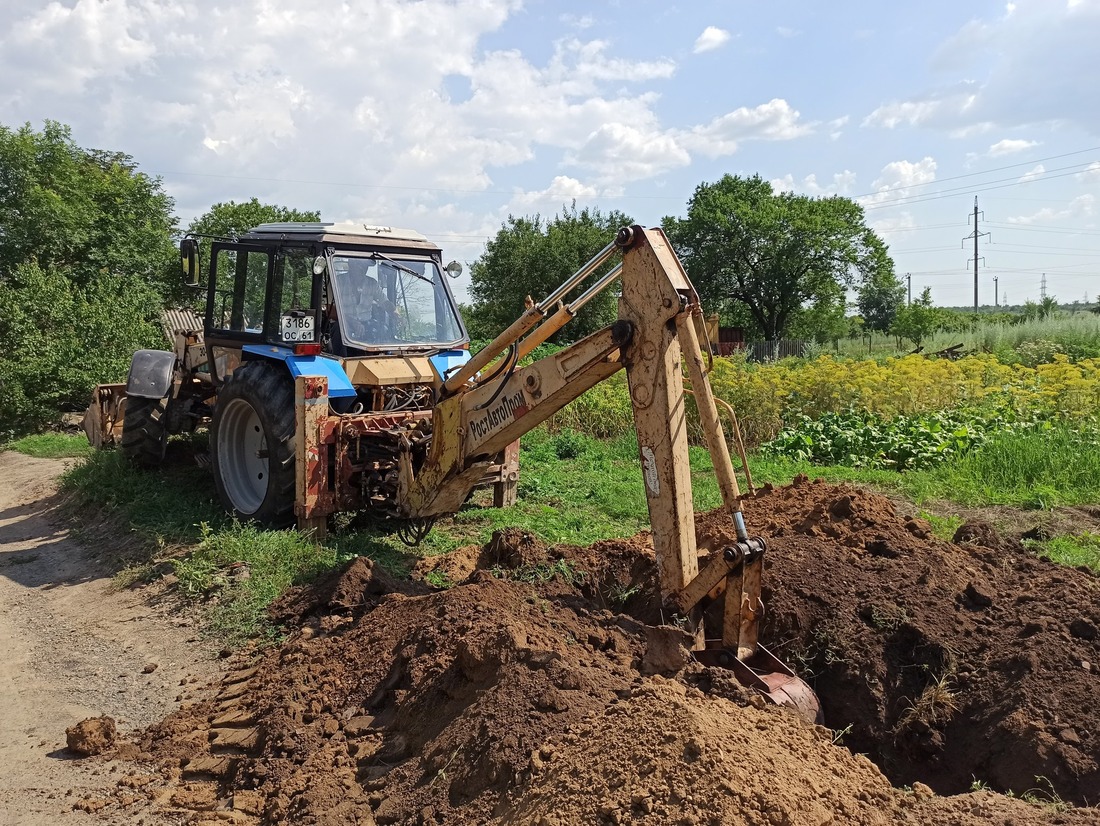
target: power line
986 172
949 193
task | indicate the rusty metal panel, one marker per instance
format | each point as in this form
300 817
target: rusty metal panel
103 419
312 499
390 370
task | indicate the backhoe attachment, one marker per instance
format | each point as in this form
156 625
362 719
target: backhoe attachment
663 307
492 401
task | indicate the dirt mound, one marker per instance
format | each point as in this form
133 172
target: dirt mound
944 663
353 590
523 696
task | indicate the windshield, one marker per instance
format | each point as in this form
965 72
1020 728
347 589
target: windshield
393 302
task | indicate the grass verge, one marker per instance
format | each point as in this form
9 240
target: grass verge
1077 551
52 446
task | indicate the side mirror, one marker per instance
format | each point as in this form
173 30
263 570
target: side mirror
189 257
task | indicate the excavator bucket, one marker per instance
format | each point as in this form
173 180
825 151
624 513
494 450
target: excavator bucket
767 674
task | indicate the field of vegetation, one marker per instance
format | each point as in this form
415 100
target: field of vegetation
983 431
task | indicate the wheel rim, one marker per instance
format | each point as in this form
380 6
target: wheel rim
242 456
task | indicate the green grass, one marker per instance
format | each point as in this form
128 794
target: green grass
1079 550
942 526
244 568
166 506
573 489
52 446
1025 469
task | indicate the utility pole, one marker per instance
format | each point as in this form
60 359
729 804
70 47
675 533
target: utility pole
975 235
1043 287
996 283
909 289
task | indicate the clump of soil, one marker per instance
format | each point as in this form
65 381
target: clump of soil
528 695
92 736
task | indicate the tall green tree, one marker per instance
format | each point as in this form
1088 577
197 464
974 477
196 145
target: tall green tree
530 256
823 321
86 262
880 296
775 253
89 213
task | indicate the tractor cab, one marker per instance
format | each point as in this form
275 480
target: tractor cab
339 289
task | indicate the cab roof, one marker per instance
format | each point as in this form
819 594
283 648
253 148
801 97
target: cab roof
346 232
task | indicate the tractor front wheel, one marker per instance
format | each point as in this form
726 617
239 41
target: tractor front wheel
144 436
252 444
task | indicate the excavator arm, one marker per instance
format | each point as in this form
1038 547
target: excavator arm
491 402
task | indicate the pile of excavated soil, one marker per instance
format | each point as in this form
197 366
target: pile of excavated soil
944 662
528 695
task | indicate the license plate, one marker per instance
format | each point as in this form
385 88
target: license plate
297 328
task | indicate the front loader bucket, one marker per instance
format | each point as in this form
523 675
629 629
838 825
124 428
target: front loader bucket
103 418
767 674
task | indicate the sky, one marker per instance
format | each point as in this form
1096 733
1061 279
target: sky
448 116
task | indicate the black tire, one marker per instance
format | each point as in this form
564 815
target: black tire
252 444
144 437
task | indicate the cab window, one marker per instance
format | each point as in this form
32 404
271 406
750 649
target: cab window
239 289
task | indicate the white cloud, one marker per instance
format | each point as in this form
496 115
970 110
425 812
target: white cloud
96 39
1029 61
578 21
775 120
562 190
1083 206
897 179
1089 174
784 31
1009 146
944 107
836 127
1033 174
712 38
618 151
840 185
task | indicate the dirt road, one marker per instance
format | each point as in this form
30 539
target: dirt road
73 647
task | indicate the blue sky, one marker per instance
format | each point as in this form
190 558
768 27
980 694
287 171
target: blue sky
447 116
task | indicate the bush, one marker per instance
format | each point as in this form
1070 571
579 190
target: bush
862 440
58 340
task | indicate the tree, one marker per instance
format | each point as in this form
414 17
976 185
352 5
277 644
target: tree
86 262
531 256
917 321
230 219
89 213
776 253
823 321
57 341
880 296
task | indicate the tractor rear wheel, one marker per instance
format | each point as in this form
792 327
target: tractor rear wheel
144 436
252 444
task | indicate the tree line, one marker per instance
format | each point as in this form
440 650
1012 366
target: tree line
777 264
88 259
